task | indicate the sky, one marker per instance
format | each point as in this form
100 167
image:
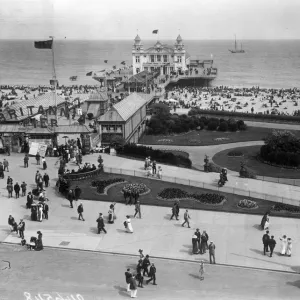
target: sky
122 19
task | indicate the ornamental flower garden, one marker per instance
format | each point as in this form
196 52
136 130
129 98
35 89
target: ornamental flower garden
141 188
246 203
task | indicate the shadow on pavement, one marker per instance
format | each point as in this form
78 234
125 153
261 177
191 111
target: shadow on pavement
195 276
121 231
257 251
258 227
295 283
94 230
74 218
65 205
122 291
27 217
167 217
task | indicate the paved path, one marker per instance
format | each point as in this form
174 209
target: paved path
94 276
237 237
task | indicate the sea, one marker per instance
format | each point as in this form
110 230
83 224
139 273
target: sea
265 63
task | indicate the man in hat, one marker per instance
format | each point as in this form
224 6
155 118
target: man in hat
21 228
272 244
138 209
198 234
211 249
46 179
265 240
186 219
100 222
128 275
152 274
80 211
29 200
5 164
23 188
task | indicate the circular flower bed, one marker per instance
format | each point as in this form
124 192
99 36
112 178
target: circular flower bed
221 139
132 188
247 204
165 141
280 207
102 185
178 194
235 153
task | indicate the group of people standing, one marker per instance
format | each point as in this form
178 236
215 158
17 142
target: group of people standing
152 169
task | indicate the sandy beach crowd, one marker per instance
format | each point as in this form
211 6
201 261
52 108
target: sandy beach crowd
255 99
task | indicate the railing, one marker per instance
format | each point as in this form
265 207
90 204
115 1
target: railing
82 176
288 181
194 183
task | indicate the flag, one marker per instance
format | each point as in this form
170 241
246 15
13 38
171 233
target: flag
155 31
89 73
43 44
106 61
123 63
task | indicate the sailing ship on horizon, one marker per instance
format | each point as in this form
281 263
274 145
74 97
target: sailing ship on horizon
236 50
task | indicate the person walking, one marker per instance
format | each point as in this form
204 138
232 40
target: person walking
71 198
139 275
111 213
201 270
44 163
186 219
133 287
10 190
17 190
21 228
45 211
289 247
272 244
46 179
29 200
128 275
77 192
5 165
138 209
154 167
146 263
1 171
212 249
26 159
128 225
283 245
100 223
80 211
265 240
152 274
174 212
38 158
23 188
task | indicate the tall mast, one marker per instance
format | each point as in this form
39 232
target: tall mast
54 76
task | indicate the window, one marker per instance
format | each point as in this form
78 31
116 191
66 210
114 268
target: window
179 59
152 69
137 59
152 58
165 58
158 58
137 70
104 128
146 68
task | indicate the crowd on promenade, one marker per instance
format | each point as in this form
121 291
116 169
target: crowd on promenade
254 100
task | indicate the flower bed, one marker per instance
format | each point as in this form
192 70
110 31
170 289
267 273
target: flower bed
165 141
286 208
221 139
132 188
178 194
247 204
101 185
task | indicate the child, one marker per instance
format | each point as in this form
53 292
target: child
201 271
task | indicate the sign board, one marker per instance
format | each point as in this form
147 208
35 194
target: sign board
37 147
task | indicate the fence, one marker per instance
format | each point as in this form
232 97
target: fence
203 185
82 176
295 182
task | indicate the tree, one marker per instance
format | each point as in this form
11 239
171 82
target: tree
117 141
160 110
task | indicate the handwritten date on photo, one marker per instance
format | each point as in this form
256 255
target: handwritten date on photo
52 296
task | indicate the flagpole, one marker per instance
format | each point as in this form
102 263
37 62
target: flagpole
54 76
128 81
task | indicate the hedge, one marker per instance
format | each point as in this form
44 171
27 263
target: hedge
133 150
254 116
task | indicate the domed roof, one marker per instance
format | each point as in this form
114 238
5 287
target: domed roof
137 38
179 39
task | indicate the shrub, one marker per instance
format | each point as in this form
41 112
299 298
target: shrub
211 167
212 125
232 126
240 123
90 116
243 127
286 207
172 193
223 126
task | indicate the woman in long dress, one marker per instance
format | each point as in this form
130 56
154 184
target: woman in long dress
283 245
111 213
263 220
195 244
267 223
289 247
129 226
39 242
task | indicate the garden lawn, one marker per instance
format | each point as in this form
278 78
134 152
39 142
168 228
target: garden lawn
260 168
207 137
114 195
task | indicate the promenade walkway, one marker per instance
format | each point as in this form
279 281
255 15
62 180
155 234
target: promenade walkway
237 237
